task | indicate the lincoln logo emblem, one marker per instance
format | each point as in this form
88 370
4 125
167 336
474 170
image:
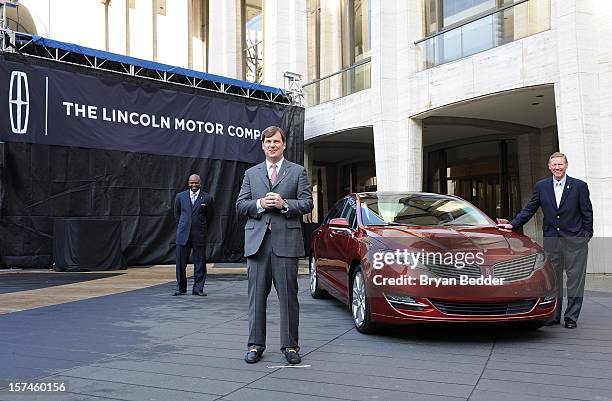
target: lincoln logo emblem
19 102
487 271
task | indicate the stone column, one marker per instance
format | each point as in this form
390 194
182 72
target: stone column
398 139
224 38
117 28
284 40
584 108
173 34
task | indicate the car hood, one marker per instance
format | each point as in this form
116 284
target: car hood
453 239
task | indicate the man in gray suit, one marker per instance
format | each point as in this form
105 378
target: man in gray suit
274 196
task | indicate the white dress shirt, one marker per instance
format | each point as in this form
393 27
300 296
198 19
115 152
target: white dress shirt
193 196
558 187
269 170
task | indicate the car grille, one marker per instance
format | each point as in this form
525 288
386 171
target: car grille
450 271
515 269
509 270
484 308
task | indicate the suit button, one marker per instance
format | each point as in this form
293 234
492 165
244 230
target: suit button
558 228
558 216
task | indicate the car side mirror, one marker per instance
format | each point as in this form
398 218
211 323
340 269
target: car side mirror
339 222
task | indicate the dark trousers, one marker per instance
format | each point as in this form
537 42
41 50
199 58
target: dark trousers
199 266
264 268
569 255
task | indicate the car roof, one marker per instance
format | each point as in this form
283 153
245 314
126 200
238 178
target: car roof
362 195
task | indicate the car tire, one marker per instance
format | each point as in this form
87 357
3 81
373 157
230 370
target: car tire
313 275
360 303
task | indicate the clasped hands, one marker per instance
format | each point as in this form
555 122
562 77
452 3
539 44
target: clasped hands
272 200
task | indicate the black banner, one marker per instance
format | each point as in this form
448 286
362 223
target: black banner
41 184
54 107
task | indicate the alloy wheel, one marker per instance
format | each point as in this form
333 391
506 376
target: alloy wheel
359 299
313 275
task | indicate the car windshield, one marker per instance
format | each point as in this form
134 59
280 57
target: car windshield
419 210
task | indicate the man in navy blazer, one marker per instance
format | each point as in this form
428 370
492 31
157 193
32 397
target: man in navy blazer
192 211
567 227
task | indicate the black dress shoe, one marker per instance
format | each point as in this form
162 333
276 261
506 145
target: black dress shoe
570 324
253 356
177 293
292 356
201 293
552 323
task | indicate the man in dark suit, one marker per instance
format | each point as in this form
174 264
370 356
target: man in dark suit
274 196
192 211
568 226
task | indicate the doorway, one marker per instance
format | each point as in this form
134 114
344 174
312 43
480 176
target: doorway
484 173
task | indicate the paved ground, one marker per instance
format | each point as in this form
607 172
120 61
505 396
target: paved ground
143 344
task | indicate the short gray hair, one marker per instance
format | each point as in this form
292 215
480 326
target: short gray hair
557 154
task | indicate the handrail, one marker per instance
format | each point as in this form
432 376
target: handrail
476 17
483 32
357 64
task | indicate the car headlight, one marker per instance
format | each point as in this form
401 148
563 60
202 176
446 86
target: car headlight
540 260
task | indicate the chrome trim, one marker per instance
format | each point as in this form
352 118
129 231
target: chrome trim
359 300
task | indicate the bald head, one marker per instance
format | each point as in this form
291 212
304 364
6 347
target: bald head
194 182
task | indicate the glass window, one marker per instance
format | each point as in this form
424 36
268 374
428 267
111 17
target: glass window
458 10
431 16
477 36
198 41
313 21
350 212
336 211
361 29
450 45
442 13
420 210
253 40
471 26
356 28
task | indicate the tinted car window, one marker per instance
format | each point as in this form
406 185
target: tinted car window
350 212
335 212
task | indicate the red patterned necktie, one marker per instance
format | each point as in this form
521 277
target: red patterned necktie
274 174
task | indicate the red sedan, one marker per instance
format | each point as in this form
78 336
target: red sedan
417 257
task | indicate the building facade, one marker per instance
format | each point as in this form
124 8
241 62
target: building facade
467 97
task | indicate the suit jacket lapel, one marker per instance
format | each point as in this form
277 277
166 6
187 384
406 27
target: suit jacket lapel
188 199
263 174
566 189
282 173
550 190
